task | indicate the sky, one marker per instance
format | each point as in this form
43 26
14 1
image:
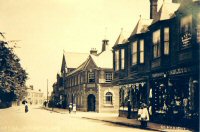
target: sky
46 28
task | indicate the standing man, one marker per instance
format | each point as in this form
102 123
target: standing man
70 108
129 109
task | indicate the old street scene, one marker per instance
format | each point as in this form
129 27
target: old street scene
103 65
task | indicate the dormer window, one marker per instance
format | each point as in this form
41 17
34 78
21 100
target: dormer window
156 44
142 51
166 41
134 53
122 58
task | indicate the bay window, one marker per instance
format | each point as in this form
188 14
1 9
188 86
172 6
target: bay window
166 41
117 60
134 53
141 51
156 44
122 58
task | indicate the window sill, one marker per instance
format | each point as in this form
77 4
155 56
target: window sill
108 105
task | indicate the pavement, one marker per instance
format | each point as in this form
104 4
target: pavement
115 119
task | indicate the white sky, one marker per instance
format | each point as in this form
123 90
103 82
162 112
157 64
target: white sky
47 27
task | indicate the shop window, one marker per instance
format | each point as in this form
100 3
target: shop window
186 28
166 41
122 58
141 51
121 96
198 34
117 60
156 44
198 28
109 98
91 77
134 53
108 77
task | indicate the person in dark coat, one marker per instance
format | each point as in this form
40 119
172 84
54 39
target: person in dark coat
129 109
26 107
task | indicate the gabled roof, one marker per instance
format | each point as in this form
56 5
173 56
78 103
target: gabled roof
104 60
142 26
121 39
73 60
167 11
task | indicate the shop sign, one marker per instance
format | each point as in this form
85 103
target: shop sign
179 71
186 39
155 75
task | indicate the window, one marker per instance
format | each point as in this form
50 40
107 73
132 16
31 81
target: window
91 77
166 41
108 77
122 58
156 44
117 60
186 28
186 23
141 51
109 98
134 53
198 28
198 34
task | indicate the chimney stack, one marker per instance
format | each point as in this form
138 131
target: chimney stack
153 9
104 45
93 51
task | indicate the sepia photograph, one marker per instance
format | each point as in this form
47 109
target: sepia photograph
99 65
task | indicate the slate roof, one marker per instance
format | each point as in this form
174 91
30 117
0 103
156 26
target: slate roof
73 59
167 11
104 60
121 39
142 26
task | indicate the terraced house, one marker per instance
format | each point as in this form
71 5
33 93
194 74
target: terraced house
158 63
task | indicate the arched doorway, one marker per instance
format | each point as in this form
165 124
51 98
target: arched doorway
91 102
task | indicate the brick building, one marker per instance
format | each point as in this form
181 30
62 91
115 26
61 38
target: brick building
88 84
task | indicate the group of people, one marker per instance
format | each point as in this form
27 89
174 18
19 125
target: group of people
72 107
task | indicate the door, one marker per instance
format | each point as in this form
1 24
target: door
91 102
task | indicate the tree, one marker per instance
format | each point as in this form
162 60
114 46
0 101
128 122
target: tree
12 75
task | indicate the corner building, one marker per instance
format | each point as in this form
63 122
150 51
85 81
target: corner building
89 84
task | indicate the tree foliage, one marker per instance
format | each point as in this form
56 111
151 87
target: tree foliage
12 75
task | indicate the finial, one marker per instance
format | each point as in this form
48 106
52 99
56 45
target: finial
105 32
140 16
121 30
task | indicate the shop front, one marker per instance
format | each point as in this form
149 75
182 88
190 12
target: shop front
136 93
174 94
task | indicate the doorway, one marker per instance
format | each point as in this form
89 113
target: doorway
91 102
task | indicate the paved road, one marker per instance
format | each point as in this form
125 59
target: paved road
39 120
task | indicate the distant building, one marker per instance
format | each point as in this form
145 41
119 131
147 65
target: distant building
35 97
